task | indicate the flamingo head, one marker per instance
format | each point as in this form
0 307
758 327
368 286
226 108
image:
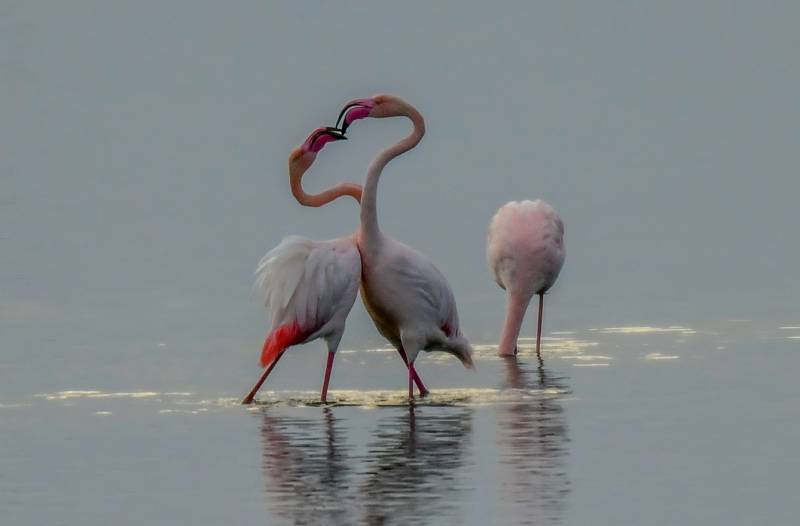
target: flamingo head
378 106
303 156
459 347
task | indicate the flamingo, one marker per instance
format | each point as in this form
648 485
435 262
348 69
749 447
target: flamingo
309 286
406 296
525 250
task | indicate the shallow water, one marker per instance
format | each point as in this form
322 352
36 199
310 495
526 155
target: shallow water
617 425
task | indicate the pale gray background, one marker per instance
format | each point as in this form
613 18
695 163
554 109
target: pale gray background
144 149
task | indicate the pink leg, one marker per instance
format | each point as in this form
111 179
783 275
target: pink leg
249 398
539 324
411 374
423 391
328 369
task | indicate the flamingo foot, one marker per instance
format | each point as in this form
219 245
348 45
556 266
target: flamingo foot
423 391
509 354
252 394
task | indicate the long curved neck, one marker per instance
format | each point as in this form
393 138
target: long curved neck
370 231
516 306
323 198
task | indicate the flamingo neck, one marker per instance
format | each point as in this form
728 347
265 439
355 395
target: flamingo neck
370 231
515 312
323 198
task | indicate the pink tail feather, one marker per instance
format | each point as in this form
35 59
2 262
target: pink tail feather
279 339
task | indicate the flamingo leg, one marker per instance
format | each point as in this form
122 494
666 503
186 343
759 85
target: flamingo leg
411 375
423 391
328 369
539 324
252 394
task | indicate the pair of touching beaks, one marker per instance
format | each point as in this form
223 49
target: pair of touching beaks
354 110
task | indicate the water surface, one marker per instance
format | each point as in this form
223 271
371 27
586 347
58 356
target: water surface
615 425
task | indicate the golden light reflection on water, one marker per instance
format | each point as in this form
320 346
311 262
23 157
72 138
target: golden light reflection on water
587 357
647 330
66 395
565 348
467 397
588 348
182 404
659 356
182 411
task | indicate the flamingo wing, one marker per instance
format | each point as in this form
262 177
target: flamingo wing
419 284
309 287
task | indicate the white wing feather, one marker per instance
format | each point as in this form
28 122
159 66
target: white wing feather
314 283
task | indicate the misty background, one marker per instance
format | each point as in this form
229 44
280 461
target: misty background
143 150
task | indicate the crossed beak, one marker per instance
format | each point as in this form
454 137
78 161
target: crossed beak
334 133
353 110
317 140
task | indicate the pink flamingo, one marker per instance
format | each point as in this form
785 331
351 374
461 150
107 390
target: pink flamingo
407 297
525 250
309 286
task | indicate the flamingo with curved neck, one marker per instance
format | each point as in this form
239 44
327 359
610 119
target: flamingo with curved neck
299 162
407 297
301 159
309 286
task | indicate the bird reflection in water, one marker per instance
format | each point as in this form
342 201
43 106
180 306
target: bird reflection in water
417 464
408 472
412 466
533 445
307 469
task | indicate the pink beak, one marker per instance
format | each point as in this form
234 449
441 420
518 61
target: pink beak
320 137
354 110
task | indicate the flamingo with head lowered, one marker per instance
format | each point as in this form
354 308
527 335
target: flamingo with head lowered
525 250
406 296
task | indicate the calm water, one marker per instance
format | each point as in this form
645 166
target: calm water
647 425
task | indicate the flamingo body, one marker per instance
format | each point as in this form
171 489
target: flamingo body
407 297
410 301
309 287
525 251
525 248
